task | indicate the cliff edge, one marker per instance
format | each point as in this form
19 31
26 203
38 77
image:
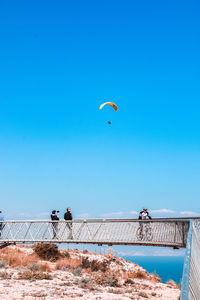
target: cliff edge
44 272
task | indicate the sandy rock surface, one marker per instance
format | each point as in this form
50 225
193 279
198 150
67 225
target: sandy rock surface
117 279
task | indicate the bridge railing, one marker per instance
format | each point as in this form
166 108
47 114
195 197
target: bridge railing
191 272
186 267
169 233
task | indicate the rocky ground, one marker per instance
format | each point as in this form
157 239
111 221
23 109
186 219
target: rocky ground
46 273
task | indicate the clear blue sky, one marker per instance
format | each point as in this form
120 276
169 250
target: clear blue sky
59 60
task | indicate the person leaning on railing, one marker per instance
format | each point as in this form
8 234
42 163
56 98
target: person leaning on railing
144 228
144 215
68 217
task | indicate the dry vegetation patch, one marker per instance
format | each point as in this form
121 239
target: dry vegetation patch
3 263
77 271
139 274
47 252
94 265
44 267
86 283
34 267
69 263
5 275
17 258
129 281
115 291
34 275
143 294
106 279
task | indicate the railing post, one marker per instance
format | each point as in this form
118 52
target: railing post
183 233
186 268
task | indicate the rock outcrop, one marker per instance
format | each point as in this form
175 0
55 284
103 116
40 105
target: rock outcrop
44 272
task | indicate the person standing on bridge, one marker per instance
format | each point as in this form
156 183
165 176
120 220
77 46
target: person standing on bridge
54 217
1 222
68 217
144 215
144 229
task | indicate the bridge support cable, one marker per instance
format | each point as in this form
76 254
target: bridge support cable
167 233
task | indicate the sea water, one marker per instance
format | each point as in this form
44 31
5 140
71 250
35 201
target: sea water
167 267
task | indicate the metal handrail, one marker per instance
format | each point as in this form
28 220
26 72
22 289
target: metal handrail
167 233
186 267
98 220
191 272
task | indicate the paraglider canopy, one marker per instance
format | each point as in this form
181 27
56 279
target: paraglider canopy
113 105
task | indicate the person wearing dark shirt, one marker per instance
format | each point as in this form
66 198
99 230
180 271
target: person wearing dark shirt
144 229
144 214
54 217
68 214
68 217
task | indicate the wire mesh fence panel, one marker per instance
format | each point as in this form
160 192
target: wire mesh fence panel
194 275
186 267
160 233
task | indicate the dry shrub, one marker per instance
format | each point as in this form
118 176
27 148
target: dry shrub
45 267
37 295
16 258
153 294
5 275
138 274
95 265
71 263
34 267
66 283
30 275
47 251
115 291
85 263
77 271
129 291
60 264
86 283
3 263
28 259
12 257
143 294
74 263
106 279
65 254
129 281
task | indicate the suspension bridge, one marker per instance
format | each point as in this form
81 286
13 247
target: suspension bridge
164 232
